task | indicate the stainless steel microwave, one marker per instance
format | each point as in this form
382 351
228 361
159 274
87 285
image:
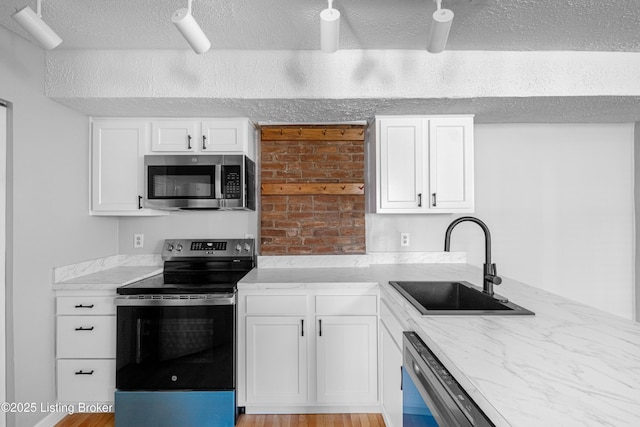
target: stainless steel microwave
190 182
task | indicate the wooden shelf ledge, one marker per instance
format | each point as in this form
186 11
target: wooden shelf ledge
312 188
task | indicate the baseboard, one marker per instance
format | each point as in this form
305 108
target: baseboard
335 409
51 420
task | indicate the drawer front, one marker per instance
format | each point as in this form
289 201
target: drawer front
346 304
91 380
102 305
86 337
276 304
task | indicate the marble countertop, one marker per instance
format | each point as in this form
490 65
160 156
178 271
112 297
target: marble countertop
106 273
569 365
111 278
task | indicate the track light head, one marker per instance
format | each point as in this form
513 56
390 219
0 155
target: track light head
190 30
329 29
440 26
33 24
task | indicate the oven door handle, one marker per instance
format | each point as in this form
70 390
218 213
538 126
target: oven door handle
175 300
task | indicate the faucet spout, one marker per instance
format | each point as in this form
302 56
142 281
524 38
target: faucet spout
490 276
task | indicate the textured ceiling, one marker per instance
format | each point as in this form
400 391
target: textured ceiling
479 25
590 25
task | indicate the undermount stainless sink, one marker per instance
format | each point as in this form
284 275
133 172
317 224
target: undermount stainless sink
455 298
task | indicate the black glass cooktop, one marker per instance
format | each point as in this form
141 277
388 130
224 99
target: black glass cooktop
156 285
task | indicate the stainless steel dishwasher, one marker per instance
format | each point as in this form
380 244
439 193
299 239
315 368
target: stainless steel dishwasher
431 396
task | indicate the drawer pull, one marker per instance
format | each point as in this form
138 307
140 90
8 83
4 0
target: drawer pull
84 306
81 372
84 329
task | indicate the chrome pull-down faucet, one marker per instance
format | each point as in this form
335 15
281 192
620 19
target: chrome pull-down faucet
490 276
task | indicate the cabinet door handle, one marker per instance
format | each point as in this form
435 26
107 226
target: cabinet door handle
401 379
81 372
319 327
301 327
139 202
84 329
433 196
189 142
204 142
84 306
419 200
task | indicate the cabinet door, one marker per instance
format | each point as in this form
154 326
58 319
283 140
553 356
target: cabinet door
451 164
391 380
174 135
401 164
347 365
224 136
276 355
117 164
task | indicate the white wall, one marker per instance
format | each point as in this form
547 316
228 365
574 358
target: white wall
3 242
49 225
636 153
205 224
558 199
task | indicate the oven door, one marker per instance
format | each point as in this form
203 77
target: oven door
175 343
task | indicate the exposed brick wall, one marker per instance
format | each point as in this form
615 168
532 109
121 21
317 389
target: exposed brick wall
316 223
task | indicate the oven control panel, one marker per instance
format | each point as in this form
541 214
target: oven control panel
189 248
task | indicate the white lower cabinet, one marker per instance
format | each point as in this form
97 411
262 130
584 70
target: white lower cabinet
84 380
347 362
391 380
276 359
307 352
85 348
391 367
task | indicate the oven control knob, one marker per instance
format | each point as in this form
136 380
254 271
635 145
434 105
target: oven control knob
179 247
238 247
247 247
169 247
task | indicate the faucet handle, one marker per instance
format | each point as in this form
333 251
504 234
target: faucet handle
492 275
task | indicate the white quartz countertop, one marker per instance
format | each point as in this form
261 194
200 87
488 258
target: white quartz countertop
569 365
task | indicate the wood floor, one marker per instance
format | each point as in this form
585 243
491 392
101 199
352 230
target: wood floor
296 420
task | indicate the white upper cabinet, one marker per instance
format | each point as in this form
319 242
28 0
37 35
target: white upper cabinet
117 162
174 135
233 136
215 136
402 169
424 164
451 164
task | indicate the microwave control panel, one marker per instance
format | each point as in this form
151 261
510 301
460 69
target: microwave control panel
232 182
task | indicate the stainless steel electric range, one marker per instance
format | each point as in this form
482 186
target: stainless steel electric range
176 348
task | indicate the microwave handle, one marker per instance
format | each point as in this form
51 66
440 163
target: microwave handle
218 171
204 142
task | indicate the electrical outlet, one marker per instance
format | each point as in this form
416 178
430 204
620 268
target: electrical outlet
138 241
404 239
